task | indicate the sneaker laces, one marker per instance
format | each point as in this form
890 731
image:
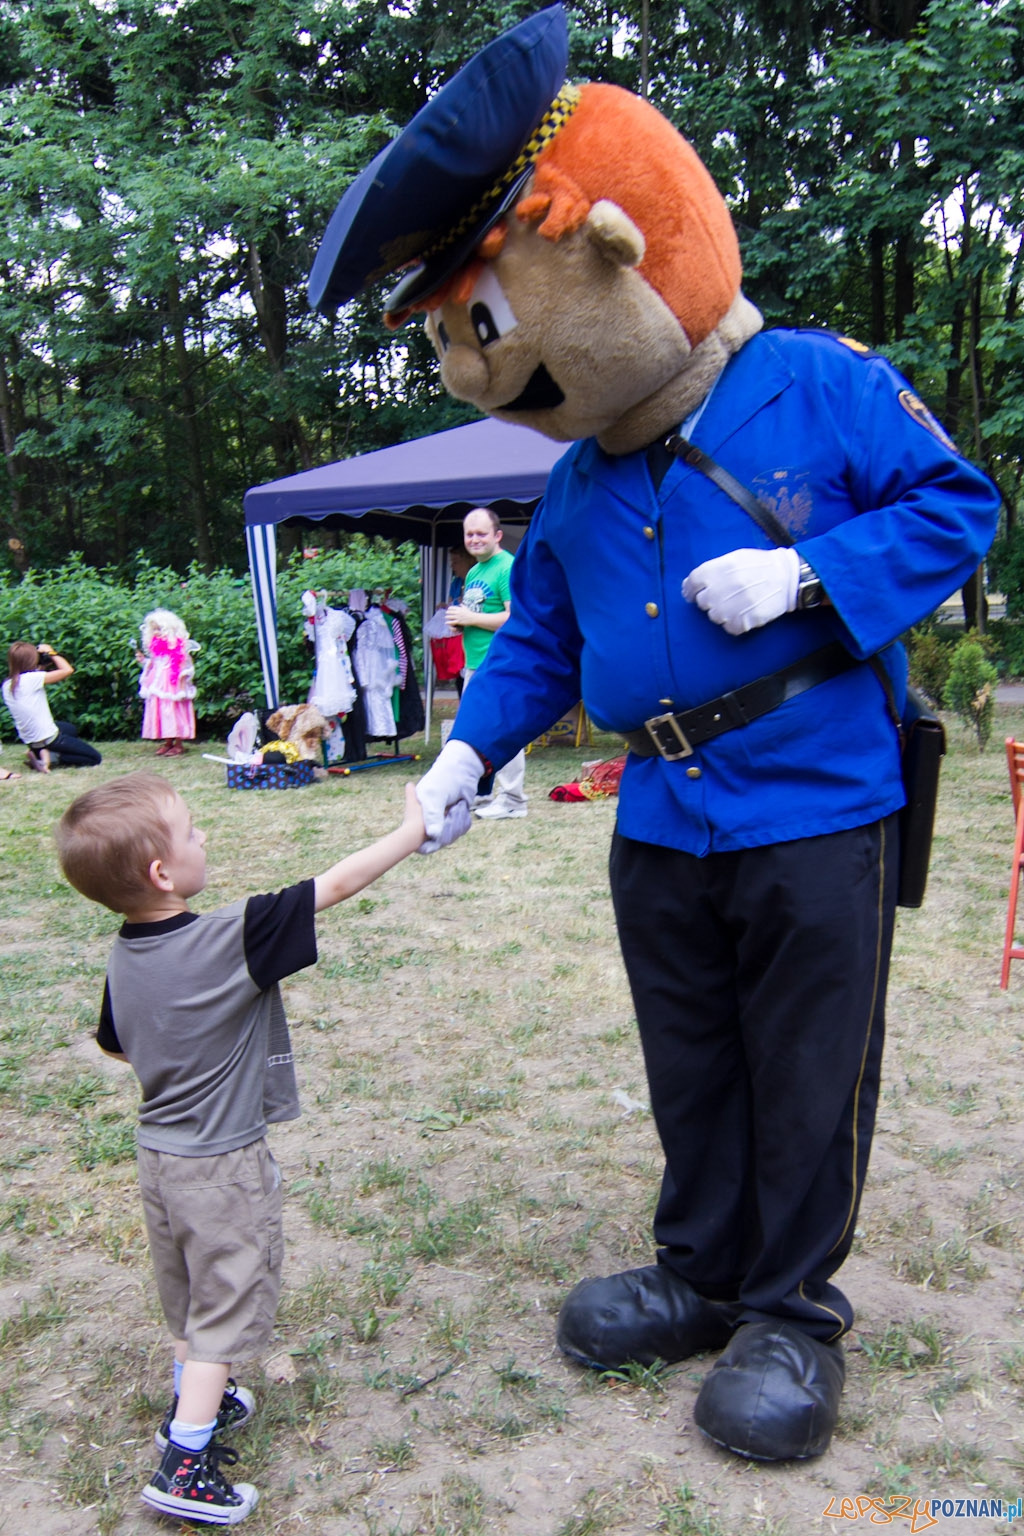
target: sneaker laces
210 1459
231 1406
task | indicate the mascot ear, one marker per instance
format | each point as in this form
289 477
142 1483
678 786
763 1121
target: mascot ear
614 235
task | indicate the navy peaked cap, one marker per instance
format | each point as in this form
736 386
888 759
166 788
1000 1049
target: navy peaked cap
428 190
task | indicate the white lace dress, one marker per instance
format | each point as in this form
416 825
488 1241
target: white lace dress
378 669
333 690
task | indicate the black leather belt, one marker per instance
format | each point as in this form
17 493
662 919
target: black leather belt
675 736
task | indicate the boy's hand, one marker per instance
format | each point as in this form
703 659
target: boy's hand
446 794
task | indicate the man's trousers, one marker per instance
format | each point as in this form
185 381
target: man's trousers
759 981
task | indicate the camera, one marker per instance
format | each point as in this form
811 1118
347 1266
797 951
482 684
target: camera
46 661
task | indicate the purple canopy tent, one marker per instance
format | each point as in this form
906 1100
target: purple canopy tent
419 490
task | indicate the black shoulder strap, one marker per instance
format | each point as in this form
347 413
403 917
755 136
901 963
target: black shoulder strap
762 514
769 525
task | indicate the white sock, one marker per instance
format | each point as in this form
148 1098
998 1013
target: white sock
191 1437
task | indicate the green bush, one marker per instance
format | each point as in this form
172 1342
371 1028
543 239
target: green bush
971 690
929 657
93 617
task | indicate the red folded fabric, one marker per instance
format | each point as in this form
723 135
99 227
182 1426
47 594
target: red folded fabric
566 792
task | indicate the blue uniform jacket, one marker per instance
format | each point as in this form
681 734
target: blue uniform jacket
886 511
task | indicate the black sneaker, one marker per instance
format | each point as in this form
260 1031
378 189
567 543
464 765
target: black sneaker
189 1485
236 1408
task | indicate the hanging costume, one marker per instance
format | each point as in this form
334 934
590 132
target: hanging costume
333 687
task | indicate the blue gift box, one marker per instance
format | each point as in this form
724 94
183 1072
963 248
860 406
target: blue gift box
270 775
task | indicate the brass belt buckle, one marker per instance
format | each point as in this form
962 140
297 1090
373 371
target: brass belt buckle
651 727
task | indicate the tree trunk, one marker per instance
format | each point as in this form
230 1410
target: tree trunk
975 602
903 292
291 449
876 256
9 431
188 414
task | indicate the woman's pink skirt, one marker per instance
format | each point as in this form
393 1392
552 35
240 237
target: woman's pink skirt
164 720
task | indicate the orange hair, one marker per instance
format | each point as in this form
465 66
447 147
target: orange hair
618 147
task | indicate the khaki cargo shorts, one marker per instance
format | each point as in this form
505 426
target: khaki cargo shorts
214 1226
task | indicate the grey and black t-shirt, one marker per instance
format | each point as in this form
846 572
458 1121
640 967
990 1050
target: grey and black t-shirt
194 1004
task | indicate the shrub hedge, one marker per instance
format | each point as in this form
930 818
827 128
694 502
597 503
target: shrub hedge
93 617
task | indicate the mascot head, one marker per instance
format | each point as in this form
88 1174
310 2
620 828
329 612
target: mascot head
585 282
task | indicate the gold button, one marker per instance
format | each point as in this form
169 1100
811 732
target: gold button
648 532
693 773
666 701
651 610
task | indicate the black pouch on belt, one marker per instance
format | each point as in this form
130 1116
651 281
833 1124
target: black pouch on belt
924 746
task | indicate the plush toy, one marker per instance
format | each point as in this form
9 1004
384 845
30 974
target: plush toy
301 726
720 567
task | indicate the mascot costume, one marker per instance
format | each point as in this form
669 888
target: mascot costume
720 567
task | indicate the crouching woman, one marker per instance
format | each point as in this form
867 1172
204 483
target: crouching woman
25 696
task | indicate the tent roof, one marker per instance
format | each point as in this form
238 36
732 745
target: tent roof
401 492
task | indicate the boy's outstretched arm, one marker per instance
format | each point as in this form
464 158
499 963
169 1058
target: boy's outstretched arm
361 869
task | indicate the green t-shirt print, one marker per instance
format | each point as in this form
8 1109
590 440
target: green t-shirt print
486 591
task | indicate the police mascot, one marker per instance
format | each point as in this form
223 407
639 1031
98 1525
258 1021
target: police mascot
720 568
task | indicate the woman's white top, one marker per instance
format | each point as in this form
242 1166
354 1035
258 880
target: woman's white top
30 709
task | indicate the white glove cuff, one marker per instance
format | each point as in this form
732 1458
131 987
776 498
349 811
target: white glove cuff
461 758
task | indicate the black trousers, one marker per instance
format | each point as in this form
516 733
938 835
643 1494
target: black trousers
70 748
759 983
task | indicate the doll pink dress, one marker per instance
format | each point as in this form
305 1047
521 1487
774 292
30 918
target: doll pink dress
167 687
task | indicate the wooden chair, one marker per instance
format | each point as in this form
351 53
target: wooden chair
1015 763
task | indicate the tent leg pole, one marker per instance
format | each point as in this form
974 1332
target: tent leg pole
428 579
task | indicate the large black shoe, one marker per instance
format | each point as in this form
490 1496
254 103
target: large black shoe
773 1395
641 1315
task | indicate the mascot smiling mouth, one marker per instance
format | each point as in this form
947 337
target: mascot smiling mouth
540 393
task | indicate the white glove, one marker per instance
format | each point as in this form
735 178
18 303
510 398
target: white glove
446 794
746 588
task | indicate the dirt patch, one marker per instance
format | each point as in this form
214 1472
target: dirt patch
463 1159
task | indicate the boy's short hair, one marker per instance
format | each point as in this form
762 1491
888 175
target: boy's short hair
108 838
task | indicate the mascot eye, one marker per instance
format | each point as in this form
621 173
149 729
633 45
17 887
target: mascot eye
489 310
484 324
442 336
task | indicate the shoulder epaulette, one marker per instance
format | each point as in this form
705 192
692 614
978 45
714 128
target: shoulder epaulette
857 347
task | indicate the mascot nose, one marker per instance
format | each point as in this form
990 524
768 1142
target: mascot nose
465 373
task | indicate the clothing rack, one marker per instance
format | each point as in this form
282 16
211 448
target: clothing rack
355 722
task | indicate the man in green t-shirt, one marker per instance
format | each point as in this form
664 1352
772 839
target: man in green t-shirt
482 610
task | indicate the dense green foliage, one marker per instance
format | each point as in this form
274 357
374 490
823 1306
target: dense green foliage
92 617
168 169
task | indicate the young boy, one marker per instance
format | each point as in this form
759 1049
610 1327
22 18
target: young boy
192 1003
